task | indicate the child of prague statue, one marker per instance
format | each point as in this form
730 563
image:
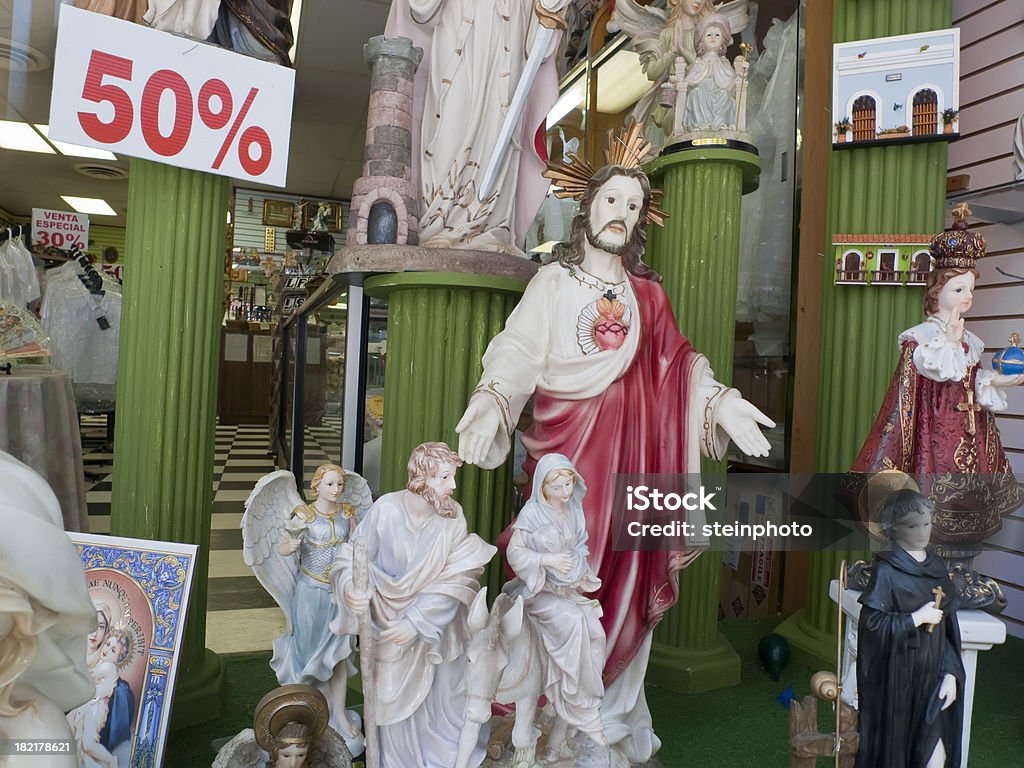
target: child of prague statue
937 420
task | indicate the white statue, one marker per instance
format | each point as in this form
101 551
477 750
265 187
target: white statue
561 653
422 567
710 93
289 731
548 553
616 388
291 546
45 617
194 18
663 37
475 54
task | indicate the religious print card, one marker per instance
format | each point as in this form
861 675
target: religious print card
140 590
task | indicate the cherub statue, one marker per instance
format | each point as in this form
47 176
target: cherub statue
291 546
710 91
661 37
289 731
45 618
910 678
411 571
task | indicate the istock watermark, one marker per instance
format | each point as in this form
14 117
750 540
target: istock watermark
734 512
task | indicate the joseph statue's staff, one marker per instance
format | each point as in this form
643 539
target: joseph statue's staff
361 582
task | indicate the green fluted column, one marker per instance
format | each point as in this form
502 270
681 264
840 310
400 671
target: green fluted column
697 253
898 189
167 390
439 325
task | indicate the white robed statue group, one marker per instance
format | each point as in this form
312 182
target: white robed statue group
431 656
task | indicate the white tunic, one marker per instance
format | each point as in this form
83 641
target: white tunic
425 572
939 359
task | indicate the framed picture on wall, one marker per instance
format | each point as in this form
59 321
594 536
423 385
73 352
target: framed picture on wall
141 591
277 213
332 215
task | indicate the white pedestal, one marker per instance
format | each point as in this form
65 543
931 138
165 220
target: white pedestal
978 632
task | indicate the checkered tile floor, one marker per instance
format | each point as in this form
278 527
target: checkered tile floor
241 616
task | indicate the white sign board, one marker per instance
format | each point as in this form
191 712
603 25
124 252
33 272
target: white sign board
60 229
137 91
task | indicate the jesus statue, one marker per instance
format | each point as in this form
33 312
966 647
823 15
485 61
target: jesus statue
617 389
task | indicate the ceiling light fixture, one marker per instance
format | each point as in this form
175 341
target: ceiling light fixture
90 205
23 137
75 150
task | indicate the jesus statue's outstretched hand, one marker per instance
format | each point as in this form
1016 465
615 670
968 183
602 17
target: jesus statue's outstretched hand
477 429
739 418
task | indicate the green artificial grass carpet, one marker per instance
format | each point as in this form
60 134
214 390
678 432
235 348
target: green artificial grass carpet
729 728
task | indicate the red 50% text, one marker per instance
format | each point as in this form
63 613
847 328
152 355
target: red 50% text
215 106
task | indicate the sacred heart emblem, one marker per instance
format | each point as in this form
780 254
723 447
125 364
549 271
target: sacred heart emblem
603 325
609 331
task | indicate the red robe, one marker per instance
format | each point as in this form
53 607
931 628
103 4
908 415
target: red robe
639 424
920 431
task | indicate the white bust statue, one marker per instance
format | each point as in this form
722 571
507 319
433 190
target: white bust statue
45 617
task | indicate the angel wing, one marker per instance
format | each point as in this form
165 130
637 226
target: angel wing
266 511
329 751
737 12
644 25
241 752
357 494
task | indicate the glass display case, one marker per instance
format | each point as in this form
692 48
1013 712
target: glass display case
333 354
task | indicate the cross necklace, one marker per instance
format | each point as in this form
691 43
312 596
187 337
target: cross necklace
969 406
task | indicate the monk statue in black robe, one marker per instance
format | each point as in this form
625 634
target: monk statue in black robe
910 677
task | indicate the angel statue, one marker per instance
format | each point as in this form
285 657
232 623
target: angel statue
290 546
660 37
289 731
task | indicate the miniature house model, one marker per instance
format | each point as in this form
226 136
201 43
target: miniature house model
882 259
907 86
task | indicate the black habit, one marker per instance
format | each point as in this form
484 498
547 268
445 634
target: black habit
900 667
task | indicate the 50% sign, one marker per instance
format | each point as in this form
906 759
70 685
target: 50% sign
161 97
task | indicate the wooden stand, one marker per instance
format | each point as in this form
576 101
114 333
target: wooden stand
806 745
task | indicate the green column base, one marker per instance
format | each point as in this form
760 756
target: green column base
693 670
810 646
199 692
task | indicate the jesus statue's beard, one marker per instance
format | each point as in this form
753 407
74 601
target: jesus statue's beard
445 505
595 239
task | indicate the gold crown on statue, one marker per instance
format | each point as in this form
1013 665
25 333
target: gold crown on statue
959 248
627 148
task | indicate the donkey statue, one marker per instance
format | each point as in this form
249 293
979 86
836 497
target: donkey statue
501 666
504 664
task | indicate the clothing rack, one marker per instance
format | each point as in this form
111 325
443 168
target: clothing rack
91 279
17 230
